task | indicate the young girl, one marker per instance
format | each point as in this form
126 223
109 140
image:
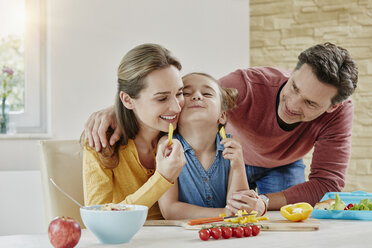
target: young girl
149 98
214 166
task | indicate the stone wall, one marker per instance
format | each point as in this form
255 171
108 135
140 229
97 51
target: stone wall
280 30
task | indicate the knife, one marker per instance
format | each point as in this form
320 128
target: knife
213 219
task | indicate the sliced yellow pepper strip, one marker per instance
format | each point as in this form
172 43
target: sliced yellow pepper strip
262 218
222 133
246 219
297 212
170 134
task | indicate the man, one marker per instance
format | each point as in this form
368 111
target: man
280 116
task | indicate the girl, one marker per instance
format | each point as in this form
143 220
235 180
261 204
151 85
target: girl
149 97
214 167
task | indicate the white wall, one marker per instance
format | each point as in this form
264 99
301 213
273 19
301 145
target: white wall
21 205
86 41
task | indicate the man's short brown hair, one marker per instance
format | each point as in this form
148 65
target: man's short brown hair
332 65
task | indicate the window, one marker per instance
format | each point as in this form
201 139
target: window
22 35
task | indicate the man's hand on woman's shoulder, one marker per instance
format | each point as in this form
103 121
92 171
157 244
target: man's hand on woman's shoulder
97 126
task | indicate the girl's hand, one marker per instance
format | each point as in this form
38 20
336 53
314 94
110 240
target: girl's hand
170 159
228 211
233 151
246 200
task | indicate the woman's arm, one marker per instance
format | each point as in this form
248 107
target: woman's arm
172 209
99 186
97 181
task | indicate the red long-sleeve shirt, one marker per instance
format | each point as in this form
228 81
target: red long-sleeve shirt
265 144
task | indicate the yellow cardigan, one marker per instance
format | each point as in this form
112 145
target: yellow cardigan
128 183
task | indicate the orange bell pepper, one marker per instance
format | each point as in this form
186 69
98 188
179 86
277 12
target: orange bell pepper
297 212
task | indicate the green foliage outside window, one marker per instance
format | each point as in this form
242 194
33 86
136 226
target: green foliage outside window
12 56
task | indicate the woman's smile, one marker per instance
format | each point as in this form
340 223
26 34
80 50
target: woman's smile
169 118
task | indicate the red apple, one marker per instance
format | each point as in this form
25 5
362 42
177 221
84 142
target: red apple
64 232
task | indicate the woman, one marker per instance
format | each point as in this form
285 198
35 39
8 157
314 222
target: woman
149 98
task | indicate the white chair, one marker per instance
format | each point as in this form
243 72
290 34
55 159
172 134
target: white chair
61 160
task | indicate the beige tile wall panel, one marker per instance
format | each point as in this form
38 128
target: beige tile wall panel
280 30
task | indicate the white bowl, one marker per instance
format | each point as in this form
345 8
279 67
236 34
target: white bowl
114 227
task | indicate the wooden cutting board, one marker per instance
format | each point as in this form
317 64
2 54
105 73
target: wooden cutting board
269 225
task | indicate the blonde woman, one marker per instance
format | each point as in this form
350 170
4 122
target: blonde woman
138 170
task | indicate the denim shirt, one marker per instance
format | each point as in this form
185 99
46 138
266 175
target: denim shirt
199 187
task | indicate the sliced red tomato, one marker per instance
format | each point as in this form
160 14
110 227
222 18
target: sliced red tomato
350 205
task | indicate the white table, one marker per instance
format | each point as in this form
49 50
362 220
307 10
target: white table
332 233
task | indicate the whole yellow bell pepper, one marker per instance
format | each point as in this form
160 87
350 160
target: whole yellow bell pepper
297 212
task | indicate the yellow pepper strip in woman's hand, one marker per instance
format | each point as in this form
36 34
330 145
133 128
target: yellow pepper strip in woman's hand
297 212
170 134
222 133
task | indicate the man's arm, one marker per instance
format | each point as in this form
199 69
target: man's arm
330 159
329 164
276 200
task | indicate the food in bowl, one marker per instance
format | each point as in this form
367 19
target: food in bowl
114 207
114 227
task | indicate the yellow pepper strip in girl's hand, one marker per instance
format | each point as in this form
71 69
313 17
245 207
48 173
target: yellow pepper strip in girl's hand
297 212
222 133
170 134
